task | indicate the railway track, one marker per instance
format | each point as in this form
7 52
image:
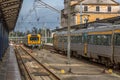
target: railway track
32 68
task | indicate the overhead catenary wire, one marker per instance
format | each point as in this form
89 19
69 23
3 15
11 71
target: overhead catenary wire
45 5
36 5
48 6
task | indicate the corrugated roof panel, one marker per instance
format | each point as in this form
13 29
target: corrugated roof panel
10 10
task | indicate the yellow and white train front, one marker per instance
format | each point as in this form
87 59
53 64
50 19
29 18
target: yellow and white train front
34 40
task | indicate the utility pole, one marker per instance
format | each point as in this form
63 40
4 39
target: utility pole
45 34
69 40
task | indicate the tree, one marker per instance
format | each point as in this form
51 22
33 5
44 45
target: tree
28 32
39 31
34 30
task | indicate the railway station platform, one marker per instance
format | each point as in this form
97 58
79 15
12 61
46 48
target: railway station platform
9 69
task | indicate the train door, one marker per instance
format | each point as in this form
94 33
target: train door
85 43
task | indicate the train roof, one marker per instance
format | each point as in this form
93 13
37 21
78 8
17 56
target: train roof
33 35
92 29
116 26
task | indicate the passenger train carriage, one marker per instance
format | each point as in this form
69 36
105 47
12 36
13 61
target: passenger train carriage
101 43
32 40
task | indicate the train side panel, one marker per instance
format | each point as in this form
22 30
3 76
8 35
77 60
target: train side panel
100 46
79 48
117 47
117 54
55 41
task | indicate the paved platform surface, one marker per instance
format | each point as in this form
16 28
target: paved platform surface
8 67
80 69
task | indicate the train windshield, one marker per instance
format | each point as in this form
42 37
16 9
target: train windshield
34 38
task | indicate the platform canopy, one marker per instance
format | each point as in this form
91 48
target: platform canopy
9 10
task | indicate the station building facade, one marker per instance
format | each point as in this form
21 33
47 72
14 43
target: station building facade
83 11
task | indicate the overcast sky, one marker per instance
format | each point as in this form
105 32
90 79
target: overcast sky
46 17
118 0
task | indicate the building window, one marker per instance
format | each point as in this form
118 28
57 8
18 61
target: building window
109 8
85 8
97 8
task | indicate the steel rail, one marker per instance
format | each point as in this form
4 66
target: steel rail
21 67
53 75
24 64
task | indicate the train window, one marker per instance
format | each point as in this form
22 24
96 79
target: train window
72 38
106 40
117 41
60 39
76 39
65 40
95 39
90 39
99 40
80 39
84 39
34 38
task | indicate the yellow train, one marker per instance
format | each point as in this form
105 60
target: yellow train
33 40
